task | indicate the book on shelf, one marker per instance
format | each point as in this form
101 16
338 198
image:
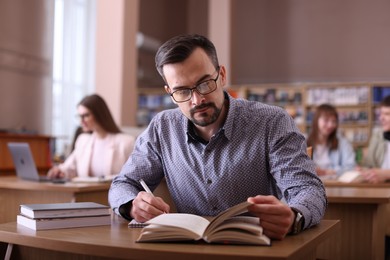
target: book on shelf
62 210
228 227
68 222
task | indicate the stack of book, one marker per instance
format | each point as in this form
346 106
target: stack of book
63 215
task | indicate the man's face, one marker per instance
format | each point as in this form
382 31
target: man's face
384 118
202 110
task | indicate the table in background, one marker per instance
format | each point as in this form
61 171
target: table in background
333 183
118 241
363 223
14 192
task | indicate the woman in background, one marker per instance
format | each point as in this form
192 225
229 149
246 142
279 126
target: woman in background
102 151
333 154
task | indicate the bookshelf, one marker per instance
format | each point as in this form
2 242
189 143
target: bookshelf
288 96
356 103
150 102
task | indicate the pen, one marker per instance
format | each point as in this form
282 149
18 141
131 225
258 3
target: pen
146 188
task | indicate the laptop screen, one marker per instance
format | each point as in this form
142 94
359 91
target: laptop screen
23 160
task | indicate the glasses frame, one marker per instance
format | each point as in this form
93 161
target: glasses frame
195 88
84 116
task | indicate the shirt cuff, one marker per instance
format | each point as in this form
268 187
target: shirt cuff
125 209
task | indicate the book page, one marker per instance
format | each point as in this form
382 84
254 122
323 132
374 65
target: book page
233 211
238 230
246 223
350 176
193 223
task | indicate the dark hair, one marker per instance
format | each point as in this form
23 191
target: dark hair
100 112
385 102
179 48
79 131
332 141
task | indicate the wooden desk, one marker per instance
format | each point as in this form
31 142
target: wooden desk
14 192
118 241
331 183
363 223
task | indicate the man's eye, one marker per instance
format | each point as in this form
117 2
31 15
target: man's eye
181 92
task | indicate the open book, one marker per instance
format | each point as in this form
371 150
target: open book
227 227
350 176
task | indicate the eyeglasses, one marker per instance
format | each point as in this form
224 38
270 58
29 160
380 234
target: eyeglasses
203 88
84 116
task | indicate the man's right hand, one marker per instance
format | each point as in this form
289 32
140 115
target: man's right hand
146 206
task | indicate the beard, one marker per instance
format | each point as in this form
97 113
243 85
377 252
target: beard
205 118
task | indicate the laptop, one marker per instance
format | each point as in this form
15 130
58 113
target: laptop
25 164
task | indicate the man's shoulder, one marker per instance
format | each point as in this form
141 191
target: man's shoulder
256 108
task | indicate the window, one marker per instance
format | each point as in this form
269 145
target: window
73 66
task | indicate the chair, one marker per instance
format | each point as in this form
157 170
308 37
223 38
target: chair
309 151
163 192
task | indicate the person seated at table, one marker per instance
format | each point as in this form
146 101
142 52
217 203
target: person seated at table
102 149
333 154
377 158
216 151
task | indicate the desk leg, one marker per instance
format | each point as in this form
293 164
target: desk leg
9 252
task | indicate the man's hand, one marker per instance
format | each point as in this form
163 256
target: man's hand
276 218
146 206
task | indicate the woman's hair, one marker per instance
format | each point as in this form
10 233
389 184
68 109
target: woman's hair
327 110
179 48
100 112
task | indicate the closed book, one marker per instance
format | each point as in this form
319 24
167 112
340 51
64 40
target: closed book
57 223
56 210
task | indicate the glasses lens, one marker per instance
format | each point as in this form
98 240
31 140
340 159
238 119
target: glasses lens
181 95
206 87
84 116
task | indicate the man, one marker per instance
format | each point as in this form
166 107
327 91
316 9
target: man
215 151
377 161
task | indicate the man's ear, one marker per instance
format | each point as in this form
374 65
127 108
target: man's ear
222 74
168 90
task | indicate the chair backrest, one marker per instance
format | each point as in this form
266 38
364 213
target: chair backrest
309 151
163 192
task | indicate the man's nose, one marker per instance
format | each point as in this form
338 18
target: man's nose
196 97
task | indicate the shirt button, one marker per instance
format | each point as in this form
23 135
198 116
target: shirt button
209 181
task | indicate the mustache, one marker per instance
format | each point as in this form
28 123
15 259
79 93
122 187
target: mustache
201 106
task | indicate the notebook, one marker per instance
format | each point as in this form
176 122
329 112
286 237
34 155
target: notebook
25 165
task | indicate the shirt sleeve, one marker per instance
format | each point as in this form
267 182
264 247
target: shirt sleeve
144 163
294 171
